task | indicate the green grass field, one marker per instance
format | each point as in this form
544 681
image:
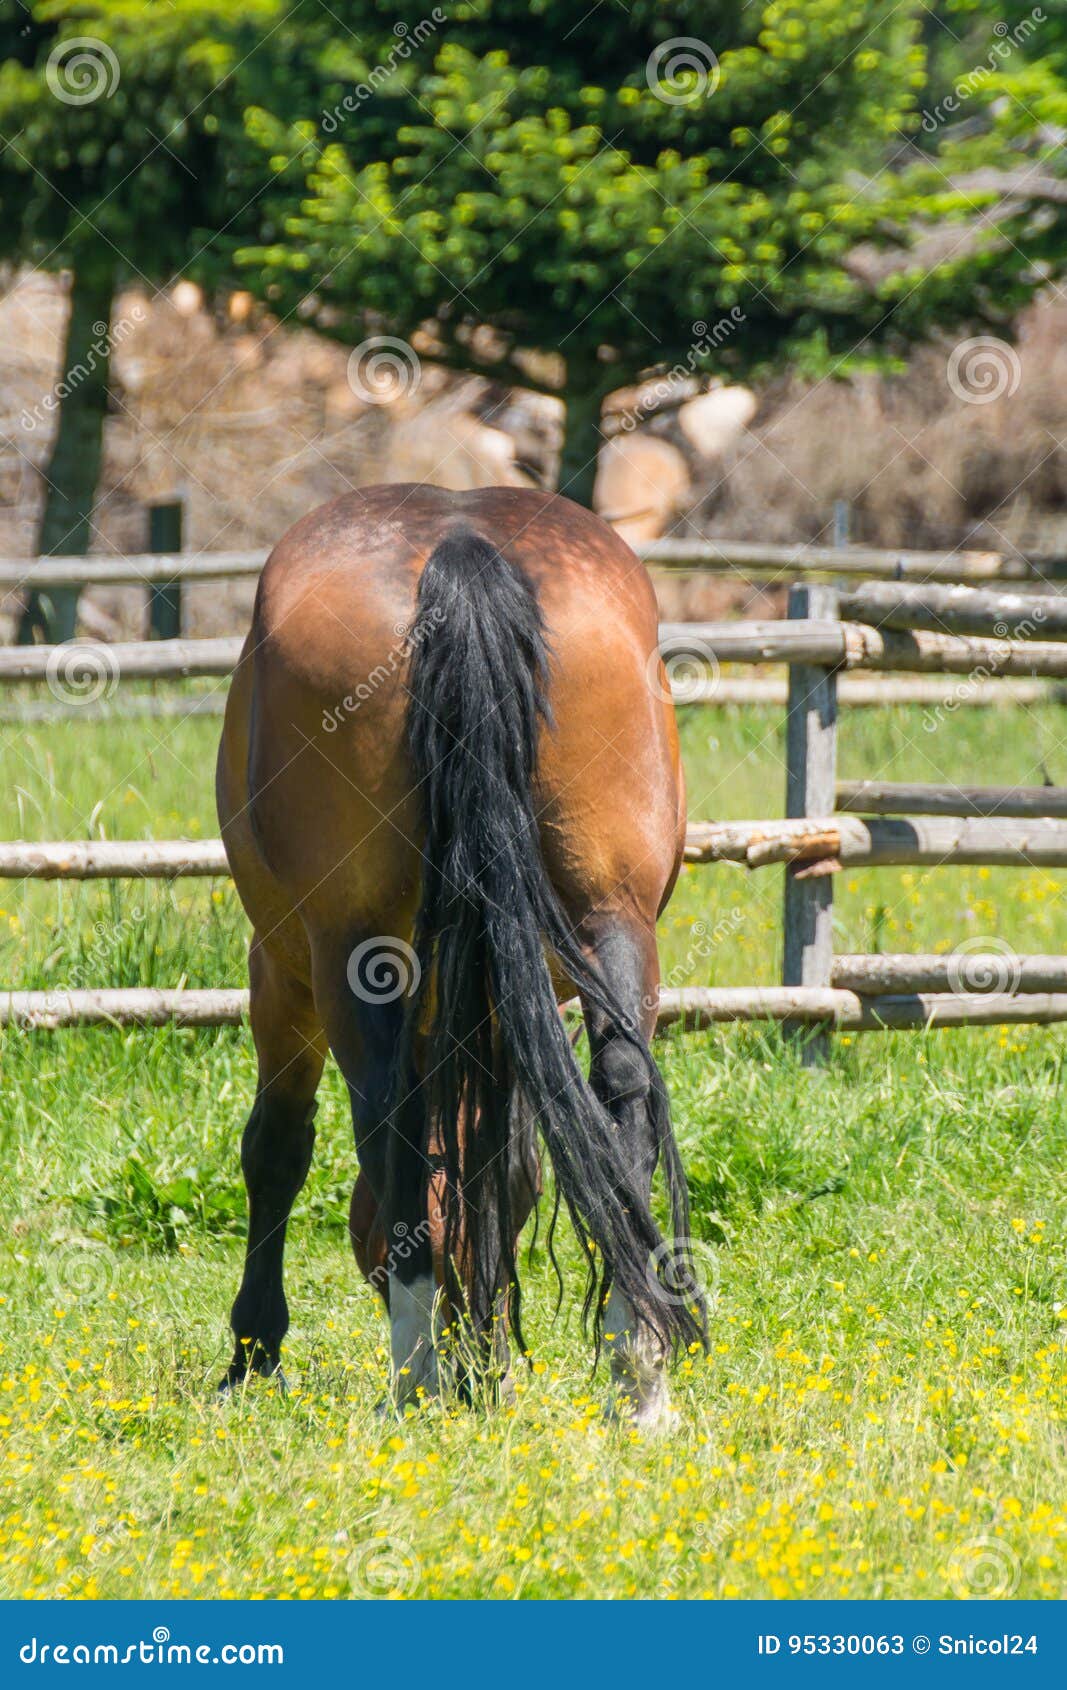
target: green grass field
884 1408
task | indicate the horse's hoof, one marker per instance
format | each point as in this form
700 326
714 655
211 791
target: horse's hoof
236 1377
648 1410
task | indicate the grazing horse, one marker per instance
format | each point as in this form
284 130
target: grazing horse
450 793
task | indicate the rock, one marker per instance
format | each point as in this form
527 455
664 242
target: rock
640 481
715 422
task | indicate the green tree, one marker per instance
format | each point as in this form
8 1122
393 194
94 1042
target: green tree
596 186
125 157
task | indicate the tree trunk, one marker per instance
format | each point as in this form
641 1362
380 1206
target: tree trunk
582 438
74 466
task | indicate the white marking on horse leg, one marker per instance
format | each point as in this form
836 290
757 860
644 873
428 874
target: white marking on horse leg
413 1322
638 1368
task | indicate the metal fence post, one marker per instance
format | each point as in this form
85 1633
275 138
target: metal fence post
811 768
165 597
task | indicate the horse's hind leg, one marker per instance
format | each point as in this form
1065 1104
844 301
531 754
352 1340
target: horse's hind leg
626 1080
390 1219
275 1154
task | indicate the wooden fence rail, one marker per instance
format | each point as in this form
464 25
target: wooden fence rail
95 667
1026 826
832 840
746 556
882 841
691 1008
899 798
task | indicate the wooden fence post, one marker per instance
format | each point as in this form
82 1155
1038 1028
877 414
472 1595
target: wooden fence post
165 597
810 790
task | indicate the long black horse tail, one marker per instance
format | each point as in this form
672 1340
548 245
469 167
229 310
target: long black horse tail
483 1026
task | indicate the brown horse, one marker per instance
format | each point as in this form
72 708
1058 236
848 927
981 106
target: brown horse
451 796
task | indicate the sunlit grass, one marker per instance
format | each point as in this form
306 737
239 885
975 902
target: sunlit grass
883 1410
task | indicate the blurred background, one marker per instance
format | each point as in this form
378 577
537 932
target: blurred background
712 275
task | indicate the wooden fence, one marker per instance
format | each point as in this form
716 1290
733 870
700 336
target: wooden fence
979 636
744 557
